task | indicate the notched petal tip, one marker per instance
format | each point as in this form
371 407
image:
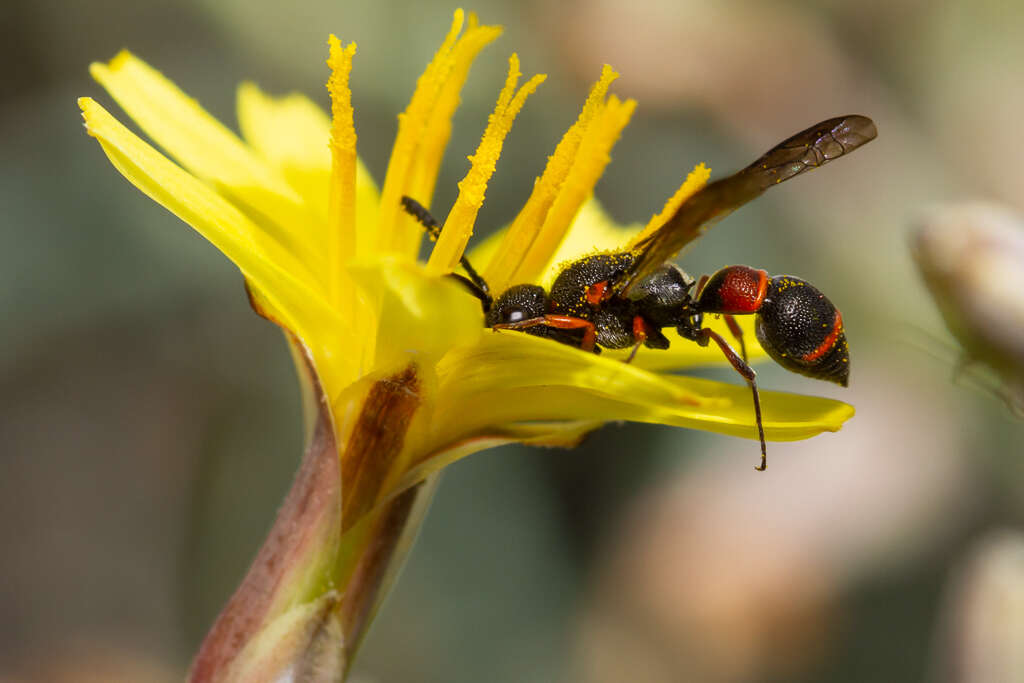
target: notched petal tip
121 59
99 69
85 105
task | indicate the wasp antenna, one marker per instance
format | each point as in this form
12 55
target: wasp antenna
422 215
476 285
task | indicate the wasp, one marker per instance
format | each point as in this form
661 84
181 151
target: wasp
625 299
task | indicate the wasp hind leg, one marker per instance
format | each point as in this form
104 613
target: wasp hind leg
737 332
707 335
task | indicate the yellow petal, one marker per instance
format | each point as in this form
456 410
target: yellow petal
274 272
560 435
293 134
513 359
209 150
786 417
290 133
540 392
421 316
512 377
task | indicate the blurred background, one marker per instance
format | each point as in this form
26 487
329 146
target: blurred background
150 423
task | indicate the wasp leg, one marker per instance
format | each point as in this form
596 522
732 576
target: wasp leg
734 327
568 322
647 335
562 322
739 365
639 334
700 285
475 283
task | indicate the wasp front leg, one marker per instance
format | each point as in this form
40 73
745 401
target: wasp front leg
561 322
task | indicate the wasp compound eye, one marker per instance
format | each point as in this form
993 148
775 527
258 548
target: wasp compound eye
514 314
518 303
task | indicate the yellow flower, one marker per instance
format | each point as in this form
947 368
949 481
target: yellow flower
402 378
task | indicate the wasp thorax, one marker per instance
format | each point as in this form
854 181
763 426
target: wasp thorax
518 303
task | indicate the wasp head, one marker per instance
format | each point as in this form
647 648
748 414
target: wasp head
518 303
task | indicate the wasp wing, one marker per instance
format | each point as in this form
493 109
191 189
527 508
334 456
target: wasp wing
808 149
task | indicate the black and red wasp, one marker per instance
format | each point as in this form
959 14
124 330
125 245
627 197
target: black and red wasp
621 299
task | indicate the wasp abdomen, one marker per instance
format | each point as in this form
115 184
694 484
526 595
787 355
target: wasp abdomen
802 331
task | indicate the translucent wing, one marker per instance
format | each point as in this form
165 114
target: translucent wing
808 149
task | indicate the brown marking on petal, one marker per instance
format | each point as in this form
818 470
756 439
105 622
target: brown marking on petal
376 441
255 301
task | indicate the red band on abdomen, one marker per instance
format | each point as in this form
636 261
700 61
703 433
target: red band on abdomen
830 341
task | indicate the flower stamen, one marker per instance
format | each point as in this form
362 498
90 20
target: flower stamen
589 163
517 260
439 128
695 179
341 211
427 117
459 226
